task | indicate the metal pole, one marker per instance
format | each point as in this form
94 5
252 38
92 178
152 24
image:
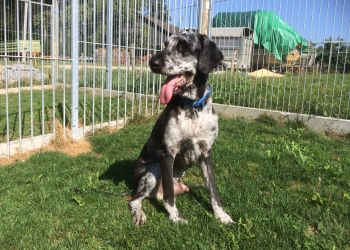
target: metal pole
6 86
75 68
53 69
109 49
24 42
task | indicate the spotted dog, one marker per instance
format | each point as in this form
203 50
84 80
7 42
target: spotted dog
186 130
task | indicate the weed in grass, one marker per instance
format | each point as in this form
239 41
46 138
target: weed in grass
266 119
296 124
347 135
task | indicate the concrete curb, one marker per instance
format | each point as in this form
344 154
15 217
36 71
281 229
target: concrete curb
37 142
316 123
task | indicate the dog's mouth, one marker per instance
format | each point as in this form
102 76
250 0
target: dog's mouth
174 84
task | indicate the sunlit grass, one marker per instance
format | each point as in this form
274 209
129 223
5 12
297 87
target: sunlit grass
286 189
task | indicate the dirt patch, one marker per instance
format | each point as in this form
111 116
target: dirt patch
73 148
69 148
63 142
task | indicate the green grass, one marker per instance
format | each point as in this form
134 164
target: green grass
323 95
314 94
55 107
286 189
131 81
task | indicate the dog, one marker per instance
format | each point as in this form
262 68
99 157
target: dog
185 131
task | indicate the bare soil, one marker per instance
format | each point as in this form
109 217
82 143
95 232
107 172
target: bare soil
67 147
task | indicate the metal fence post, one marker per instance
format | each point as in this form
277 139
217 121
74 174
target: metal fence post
75 68
109 49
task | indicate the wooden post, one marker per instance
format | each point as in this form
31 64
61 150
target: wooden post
303 65
205 16
234 59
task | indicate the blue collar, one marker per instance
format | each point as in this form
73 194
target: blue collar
200 104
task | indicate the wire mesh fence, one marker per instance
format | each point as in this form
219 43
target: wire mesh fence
83 64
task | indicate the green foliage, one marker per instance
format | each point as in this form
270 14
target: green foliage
334 56
92 23
93 18
14 13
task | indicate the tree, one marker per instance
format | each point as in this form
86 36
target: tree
92 21
334 56
127 16
157 9
9 9
12 14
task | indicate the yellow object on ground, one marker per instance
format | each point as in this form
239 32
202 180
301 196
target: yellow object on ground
264 73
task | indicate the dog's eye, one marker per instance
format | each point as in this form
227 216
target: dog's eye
183 46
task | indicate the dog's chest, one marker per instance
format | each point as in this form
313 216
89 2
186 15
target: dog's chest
191 134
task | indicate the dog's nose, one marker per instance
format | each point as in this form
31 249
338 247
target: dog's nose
154 64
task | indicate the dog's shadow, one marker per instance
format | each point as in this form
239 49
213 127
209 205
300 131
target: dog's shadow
120 172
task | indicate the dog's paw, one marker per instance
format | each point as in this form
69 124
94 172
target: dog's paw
224 218
138 218
178 219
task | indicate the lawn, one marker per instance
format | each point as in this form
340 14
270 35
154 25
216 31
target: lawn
33 113
315 94
286 189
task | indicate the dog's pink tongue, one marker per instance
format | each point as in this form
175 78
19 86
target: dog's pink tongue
166 92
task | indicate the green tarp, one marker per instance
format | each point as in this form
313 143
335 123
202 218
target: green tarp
269 30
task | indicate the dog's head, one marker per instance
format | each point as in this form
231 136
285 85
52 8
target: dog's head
183 57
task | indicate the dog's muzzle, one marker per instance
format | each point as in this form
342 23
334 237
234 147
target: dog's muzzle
173 85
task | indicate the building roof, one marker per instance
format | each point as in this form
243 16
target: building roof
172 29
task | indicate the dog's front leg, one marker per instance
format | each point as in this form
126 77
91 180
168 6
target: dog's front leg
207 167
166 163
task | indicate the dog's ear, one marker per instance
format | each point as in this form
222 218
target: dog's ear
209 55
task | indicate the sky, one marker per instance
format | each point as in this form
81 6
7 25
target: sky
314 20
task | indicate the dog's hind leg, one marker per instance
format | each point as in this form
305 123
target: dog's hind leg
179 187
148 186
